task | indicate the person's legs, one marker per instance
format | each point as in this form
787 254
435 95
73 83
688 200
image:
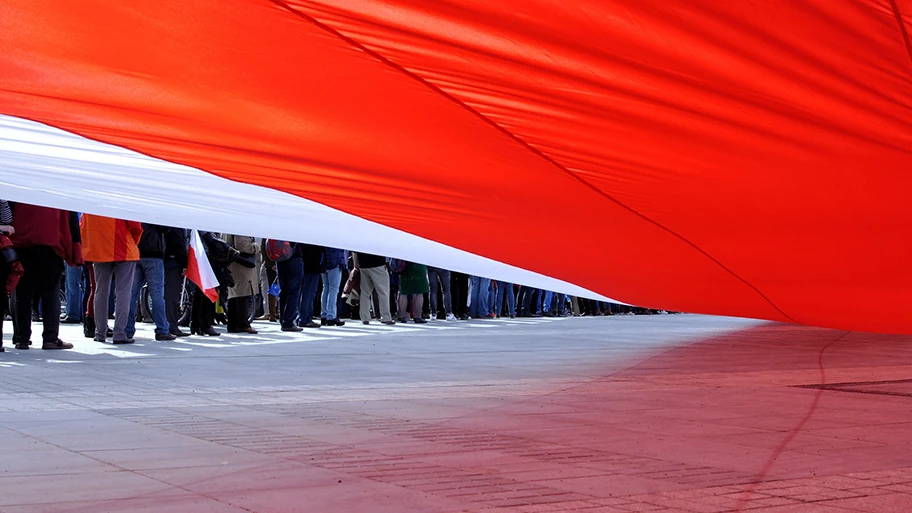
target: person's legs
511 299
483 307
103 273
417 305
291 274
489 301
73 293
123 285
25 292
308 296
139 278
433 277
367 291
237 314
52 269
474 287
331 282
325 297
402 312
447 295
382 286
154 269
174 283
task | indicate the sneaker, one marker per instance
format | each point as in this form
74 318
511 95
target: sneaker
335 322
293 329
164 337
124 341
99 339
310 324
388 323
178 333
58 344
70 320
365 322
450 317
22 346
419 320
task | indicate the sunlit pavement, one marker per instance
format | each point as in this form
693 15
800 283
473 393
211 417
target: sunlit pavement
618 414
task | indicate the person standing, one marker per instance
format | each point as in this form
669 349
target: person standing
6 230
460 287
505 289
175 264
440 277
333 262
112 246
44 239
151 269
312 257
290 275
374 276
246 283
413 284
478 306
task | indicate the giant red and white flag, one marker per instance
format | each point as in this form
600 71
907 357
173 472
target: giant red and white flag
734 158
198 269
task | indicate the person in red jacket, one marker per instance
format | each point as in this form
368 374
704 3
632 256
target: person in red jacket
111 246
44 239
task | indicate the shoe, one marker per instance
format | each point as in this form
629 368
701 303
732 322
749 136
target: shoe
293 329
99 339
22 346
210 332
419 320
2 350
88 328
335 322
70 320
512 316
450 317
311 324
110 333
388 323
322 321
365 322
58 344
164 337
179 333
251 331
124 341
490 316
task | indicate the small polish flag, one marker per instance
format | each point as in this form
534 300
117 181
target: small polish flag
198 269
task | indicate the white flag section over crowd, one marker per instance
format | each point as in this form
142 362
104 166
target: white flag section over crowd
46 166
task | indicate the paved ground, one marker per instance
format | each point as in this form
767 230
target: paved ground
661 413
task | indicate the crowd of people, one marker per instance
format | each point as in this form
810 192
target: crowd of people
105 264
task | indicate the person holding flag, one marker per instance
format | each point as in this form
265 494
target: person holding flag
199 271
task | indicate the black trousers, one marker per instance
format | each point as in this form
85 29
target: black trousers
238 313
459 283
174 284
43 272
4 301
202 313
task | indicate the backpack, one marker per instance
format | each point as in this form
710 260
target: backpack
398 266
278 250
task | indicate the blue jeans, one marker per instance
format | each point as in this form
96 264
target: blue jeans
151 271
291 276
505 289
548 297
492 295
479 306
74 307
308 295
331 279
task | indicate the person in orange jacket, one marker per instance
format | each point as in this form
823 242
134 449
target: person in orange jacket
111 246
